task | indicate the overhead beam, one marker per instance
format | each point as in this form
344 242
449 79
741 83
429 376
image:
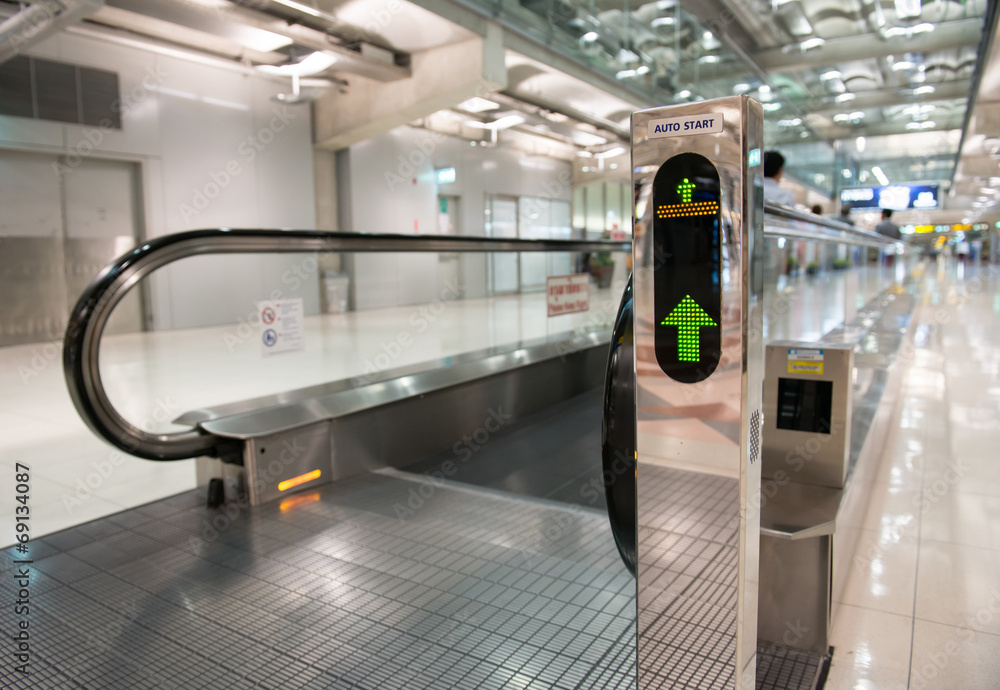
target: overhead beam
956 34
884 98
878 129
442 78
518 40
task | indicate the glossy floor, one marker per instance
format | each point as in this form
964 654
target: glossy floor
922 605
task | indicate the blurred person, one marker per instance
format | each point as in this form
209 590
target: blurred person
774 168
845 214
817 210
887 227
962 250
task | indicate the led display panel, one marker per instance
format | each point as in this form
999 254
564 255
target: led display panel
687 267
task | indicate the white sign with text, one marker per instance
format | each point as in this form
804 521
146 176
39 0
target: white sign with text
568 294
282 328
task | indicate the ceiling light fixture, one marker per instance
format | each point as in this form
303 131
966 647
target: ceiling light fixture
922 90
683 94
312 64
708 59
832 74
845 97
589 37
312 11
616 151
879 175
902 65
662 21
478 105
859 144
771 107
625 74
741 87
811 43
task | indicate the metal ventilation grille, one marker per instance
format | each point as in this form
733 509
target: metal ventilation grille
49 90
754 436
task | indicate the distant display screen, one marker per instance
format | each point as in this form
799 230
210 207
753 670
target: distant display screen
897 197
805 405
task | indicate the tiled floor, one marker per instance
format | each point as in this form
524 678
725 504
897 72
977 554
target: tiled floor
922 609
922 604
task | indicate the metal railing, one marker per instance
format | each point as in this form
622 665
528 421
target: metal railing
782 221
81 352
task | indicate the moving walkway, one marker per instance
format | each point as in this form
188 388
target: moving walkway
413 560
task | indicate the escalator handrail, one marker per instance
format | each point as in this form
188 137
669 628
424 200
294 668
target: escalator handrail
87 321
849 234
81 346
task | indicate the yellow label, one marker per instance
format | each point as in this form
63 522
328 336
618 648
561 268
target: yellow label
805 367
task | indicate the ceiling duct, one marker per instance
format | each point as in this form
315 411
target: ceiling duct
39 20
793 19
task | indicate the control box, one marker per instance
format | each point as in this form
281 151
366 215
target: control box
808 393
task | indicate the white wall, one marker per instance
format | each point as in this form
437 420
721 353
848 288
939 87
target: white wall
388 185
190 128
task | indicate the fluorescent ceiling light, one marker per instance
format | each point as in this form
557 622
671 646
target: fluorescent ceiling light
478 105
832 74
764 88
313 64
921 90
625 74
584 154
923 28
589 36
794 122
684 94
642 69
741 87
264 41
588 139
616 151
505 122
811 43
708 59
300 7
845 97
901 65
880 176
662 21
859 144
771 107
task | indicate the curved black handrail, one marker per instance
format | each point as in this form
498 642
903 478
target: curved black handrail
618 433
90 315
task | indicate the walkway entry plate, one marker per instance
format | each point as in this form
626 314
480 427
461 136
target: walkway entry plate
698 283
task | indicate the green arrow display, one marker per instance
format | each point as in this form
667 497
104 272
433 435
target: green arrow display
689 318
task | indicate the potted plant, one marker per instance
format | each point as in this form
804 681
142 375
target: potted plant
812 268
792 266
602 267
841 264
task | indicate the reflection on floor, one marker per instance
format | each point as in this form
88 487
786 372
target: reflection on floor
921 608
378 582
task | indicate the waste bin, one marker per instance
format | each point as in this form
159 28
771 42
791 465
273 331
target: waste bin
335 286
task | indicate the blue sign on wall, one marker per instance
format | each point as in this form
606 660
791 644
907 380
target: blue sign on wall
897 197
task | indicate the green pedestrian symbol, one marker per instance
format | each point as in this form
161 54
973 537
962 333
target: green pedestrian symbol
689 318
684 189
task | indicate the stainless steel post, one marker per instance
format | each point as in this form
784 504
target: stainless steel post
698 281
